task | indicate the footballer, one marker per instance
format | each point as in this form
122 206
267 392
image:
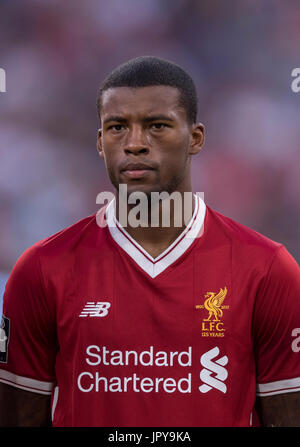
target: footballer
186 325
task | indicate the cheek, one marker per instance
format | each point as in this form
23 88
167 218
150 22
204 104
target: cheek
174 161
111 164
110 153
175 156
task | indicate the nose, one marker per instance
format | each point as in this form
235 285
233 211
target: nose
135 143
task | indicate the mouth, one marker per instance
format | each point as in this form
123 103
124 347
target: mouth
136 170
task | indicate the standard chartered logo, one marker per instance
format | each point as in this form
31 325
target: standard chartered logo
216 367
122 371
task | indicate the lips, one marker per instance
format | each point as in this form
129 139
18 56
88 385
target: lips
137 167
136 170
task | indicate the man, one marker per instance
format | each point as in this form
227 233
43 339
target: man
189 324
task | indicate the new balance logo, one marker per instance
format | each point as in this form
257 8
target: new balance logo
211 367
95 309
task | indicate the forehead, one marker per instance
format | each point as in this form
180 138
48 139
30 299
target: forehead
141 101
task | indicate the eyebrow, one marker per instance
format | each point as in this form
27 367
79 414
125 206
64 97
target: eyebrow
158 118
120 119
116 118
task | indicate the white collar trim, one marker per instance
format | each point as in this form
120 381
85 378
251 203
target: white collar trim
155 266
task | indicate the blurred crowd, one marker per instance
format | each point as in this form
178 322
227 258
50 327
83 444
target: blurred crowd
55 54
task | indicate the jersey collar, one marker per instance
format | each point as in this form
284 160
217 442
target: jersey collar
154 266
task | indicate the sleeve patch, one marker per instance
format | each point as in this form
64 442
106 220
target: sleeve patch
4 339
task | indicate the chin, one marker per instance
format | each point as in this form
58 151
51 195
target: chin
146 189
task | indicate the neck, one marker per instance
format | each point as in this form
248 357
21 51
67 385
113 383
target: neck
156 223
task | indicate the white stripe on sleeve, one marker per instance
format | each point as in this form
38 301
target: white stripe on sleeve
25 383
279 387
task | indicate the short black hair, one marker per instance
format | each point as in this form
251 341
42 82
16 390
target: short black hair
147 71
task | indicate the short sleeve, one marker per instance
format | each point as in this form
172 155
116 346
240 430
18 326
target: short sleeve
28 343
276 324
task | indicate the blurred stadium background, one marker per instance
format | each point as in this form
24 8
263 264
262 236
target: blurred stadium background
55 54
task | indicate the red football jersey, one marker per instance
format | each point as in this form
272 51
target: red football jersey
121 339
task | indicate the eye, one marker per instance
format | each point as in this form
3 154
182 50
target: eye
116 127
158 126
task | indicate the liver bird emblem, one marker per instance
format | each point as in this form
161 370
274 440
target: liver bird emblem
213 304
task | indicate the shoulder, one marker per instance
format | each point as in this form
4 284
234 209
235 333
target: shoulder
58 246
242 238
78 230
251 251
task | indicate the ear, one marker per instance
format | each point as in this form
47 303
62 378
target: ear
99 143
197 138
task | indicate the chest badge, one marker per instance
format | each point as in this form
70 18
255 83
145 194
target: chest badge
212 325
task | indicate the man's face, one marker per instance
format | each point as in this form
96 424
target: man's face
145 139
